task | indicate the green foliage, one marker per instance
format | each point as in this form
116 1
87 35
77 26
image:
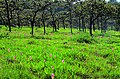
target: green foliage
84 38
23 56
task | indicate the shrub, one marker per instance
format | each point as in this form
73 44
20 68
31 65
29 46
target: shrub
83 38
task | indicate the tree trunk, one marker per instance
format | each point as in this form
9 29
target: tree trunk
63 21
53 22
98 23
55 26
58 24
71 21
101 24
79 23
32 26
18 18
105 24
83 23
8 15
43 21
32 22
90 25
94 26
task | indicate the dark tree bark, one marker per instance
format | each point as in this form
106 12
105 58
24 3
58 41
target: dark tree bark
71 21
53 22
63 22
55 26
91 25
32 26
98 21
8 15
32 22
105 24
58 24
83 23
92 19
18 19
34 16
101 24
79 23
43 21
94 26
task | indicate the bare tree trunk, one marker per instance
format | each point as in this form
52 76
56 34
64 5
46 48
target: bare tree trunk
58 24
71 21
105 24
90 25
8 15
43 21
83 23
63 21
101 24
32 22
18 18
32 26
93 26
79 23
55 26
98 23
53 22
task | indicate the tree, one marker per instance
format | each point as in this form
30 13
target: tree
8 15
95 9
34 7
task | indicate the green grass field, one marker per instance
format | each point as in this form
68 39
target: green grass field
66 55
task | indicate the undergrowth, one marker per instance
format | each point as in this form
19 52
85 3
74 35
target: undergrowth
66 55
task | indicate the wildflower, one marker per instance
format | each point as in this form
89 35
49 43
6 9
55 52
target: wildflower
14 57
52 67
44 60
52 76
72 69
8 49
20 53
62 61
68 43
84 62
50 55
30 57
112 49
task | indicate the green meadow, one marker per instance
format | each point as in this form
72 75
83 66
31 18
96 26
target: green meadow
66 55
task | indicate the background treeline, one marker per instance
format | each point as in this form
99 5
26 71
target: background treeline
82 15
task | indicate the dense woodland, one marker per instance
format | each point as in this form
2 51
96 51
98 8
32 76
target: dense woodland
82 15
